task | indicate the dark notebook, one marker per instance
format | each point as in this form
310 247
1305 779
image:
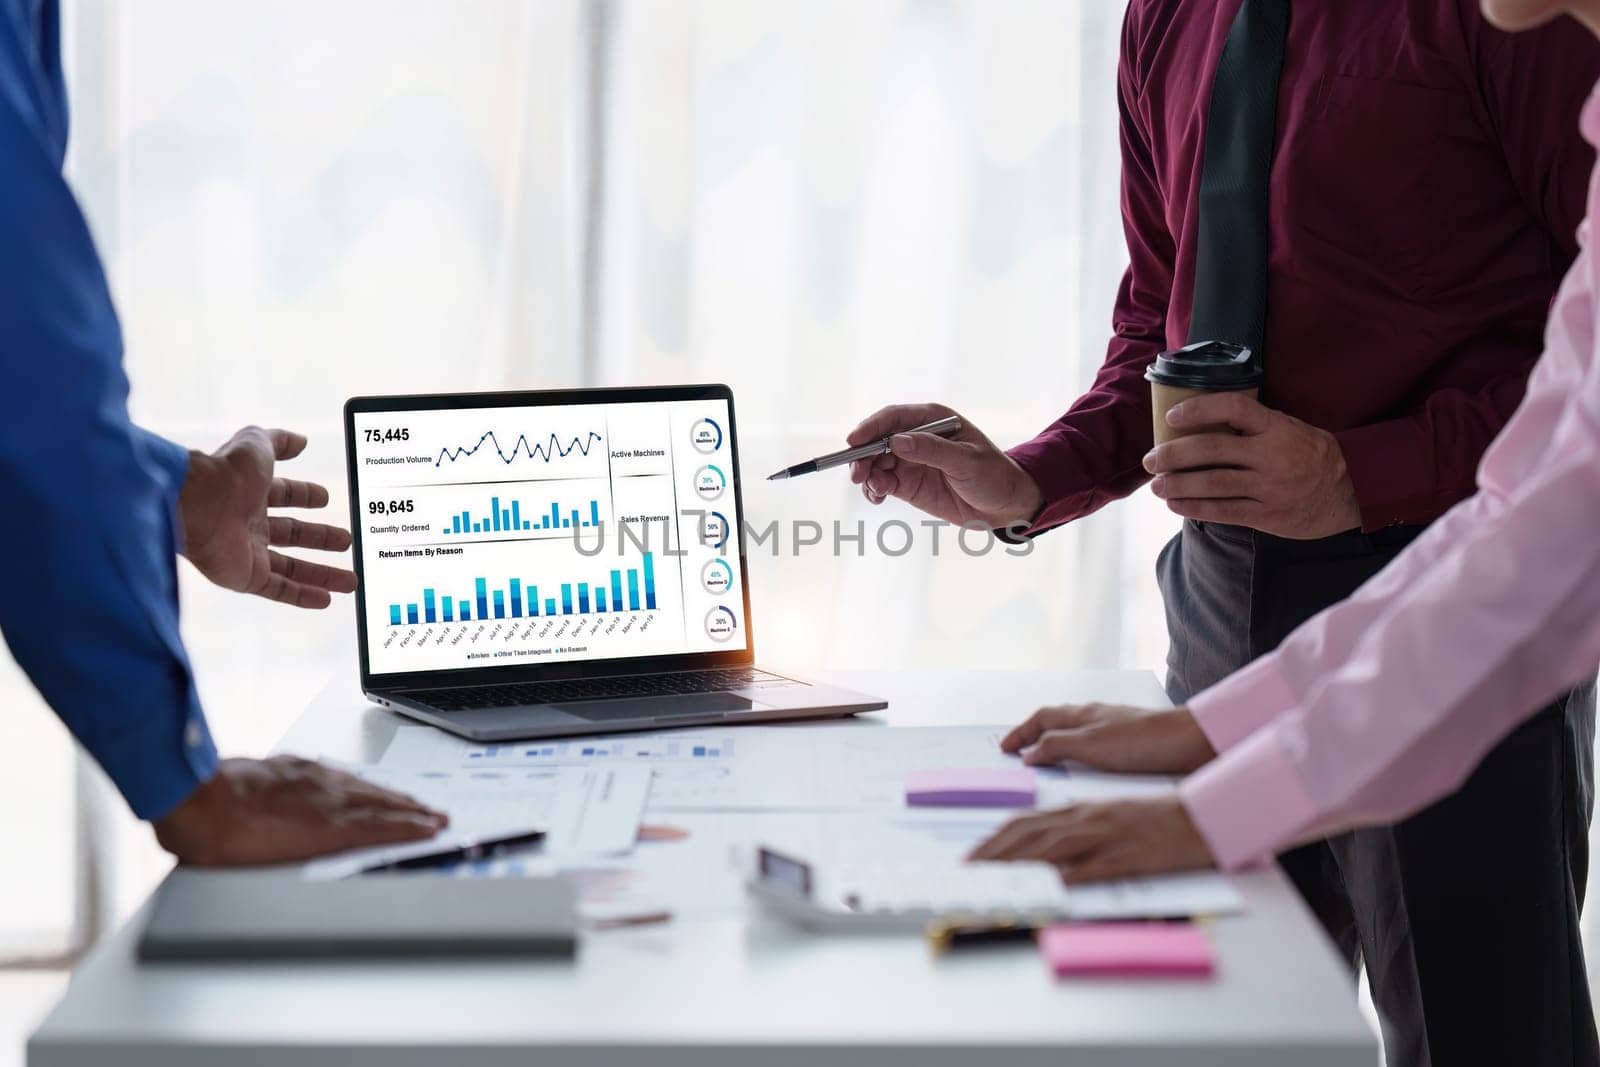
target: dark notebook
276 914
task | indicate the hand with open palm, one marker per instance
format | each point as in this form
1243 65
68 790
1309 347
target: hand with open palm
230 536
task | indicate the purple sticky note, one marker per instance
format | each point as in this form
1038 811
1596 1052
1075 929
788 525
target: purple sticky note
971 787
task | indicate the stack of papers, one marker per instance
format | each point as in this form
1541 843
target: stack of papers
664 822
758 768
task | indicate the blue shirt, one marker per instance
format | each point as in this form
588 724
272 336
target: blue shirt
88 501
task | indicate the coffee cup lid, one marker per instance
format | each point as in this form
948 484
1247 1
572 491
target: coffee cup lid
1217 365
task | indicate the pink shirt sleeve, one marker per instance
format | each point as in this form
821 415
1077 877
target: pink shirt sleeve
1386 702
1253 696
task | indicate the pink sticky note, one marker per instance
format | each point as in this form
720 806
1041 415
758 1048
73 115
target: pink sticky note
1134 949
971 787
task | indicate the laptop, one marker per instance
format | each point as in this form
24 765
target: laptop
551 564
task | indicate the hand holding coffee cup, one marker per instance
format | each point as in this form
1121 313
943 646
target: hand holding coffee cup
1197 370
1233 461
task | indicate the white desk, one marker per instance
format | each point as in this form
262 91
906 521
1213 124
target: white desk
730 988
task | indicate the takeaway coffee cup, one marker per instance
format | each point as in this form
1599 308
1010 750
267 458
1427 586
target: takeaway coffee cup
1204 367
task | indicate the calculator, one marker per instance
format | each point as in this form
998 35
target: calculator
908 895
901 898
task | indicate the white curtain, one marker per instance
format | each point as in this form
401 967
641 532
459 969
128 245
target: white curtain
831 205
837 205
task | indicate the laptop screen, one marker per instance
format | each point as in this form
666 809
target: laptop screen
539 533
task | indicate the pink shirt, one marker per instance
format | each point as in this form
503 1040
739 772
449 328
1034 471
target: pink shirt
1386 702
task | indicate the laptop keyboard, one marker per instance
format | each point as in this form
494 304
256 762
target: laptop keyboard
575 689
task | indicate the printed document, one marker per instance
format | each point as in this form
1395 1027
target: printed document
583 810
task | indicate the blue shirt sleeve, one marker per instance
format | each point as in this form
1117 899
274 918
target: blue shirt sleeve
89 532
168 459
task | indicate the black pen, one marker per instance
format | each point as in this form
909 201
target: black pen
943 427
958 931
486 848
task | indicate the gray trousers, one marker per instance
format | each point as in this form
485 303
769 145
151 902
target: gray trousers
1465 914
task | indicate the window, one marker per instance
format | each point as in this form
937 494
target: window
829 205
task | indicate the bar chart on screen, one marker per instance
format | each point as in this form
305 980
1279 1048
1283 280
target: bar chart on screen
508 535
516 599
509 519
464 606
473 512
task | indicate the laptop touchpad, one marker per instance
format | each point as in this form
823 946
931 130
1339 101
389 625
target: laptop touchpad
657 707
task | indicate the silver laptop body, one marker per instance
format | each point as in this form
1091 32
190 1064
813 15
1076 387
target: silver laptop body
562 563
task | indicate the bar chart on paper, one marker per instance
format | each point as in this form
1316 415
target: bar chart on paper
690 769
652 748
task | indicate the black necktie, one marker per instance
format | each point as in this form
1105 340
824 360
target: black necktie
1230 276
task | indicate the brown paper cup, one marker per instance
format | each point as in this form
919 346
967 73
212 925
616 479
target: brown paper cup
1164 397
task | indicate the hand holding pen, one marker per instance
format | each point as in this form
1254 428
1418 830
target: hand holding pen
947 426
954 472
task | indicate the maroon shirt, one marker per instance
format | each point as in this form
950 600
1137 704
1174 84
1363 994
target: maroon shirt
1426 191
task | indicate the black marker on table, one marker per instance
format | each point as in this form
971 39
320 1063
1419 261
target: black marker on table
943 427
487 848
